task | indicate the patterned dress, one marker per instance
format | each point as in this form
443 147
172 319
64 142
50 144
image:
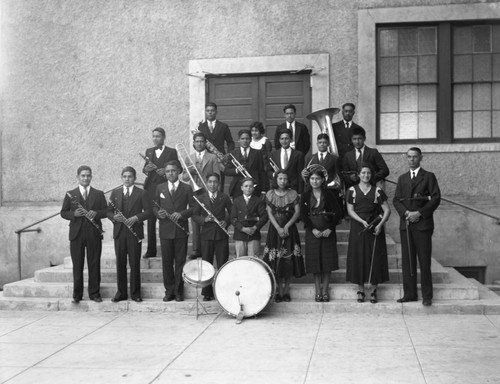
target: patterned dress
284 256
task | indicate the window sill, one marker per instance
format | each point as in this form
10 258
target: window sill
440 148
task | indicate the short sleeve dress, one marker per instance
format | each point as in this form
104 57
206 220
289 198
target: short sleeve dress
360 249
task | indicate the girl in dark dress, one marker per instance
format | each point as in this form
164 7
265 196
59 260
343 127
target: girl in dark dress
367 250
320 212
282 252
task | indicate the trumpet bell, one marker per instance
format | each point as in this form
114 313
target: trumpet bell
323 118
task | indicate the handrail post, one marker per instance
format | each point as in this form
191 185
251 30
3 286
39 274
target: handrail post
19 233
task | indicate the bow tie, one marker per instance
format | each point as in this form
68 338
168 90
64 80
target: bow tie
160 147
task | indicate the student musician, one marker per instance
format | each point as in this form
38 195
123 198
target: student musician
176 202
248 216
84 207
129 207
214 218
323 158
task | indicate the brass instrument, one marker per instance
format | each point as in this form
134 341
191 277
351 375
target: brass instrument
113 205
74 200
169 216
183 156
334 184
239 167
324 119
274 166
210 214
211 148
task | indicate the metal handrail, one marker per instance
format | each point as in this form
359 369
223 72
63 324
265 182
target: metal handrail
460 205
20 231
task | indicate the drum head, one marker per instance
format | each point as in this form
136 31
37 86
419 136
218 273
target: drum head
249 276
199 273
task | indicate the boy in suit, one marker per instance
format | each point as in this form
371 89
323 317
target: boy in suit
342 130
154 169
301 140
213 238
129 207
248 216
84 207
416 198
173 205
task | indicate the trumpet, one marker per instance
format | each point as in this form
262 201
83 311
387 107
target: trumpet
113 205
239 167
211 148
74 200
183 157
210 214
274 166
169 216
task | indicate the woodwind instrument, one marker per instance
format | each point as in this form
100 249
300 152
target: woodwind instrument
169 216
210 214
74 200
113 205
372 224
148 161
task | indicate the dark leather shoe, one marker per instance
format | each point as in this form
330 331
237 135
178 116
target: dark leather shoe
168 298
407 299
148 255
76 301
427 302
286 298
137 299
179 298
278 298
207 298
97 299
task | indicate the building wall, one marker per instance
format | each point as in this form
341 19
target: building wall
85 82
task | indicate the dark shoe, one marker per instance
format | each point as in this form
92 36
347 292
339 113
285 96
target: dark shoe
373 296
179 298
168 298
361 296
427 302
318 298
97 299
286 298
326 298
406 299
137 299
207 298
148 255
278 298
115 300
76 301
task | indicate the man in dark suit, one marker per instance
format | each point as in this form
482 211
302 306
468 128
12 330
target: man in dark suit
129 207
290 160
176 202
363 154
325 159
416 198
342 131
154 169
301 140
216 132
213 238
251 160
84 207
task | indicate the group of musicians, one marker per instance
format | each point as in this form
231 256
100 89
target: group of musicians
281 185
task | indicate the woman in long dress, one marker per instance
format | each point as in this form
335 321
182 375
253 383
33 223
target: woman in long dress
262 144
367 251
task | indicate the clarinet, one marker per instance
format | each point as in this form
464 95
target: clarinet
372 224
169 216
74 200
148 161
128 226
210 214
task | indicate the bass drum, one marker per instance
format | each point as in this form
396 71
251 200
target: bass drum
198 273
246 280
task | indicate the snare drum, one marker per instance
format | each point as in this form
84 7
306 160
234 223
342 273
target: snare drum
199 273
251 278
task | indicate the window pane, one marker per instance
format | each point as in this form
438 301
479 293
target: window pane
427 96
389 126
496 124
462 68
462 40
496 38
496 96
408 98
408 126
482 38
427 125
482 67
462 97
482 124
462 125
408 41
481 97
388 71
427 41
496 67
388 42
427 69
408 69
389 99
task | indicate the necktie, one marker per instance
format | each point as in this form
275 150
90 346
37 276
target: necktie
211 126
85 194
127 195
172 190
285 160
359 157
212 198
321 157
198 157
245 155
412 178
347 125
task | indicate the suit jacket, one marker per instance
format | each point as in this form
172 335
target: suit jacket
221 209
330 162
330 204
139 206
220 135
95 202
210 164
182 202
371 156
153 179
243 215
425 184
293 170
302 138
254 165
343 138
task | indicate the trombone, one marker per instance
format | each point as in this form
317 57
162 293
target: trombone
190 167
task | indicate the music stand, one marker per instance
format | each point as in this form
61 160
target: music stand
197 286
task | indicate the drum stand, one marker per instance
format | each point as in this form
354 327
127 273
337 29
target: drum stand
197 302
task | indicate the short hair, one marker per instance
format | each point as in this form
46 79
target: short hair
199 134
287 131
349 105
259 126
243 131
359 131
416 149
289 106
364 164
82 168
174 162
131 170
323 136
216 175
274 183
161 130
211 104
247 179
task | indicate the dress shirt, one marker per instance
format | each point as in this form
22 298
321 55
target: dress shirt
158 152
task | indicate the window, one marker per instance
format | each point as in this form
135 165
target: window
438 83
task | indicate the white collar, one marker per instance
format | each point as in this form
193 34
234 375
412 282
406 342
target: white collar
212 195
201 154
347 122
416 170
82 189
176 184
130 189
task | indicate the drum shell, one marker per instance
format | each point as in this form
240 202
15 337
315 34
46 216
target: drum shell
191 275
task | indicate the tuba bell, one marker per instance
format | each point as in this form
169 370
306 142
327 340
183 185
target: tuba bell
324 119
